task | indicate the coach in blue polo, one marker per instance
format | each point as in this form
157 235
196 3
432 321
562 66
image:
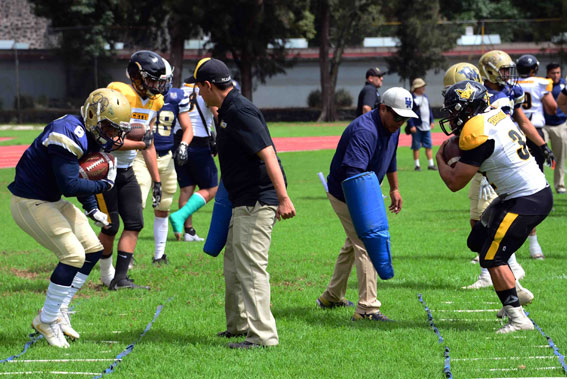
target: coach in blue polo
369 143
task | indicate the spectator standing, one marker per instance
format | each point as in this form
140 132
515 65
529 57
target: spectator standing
369 97
421 126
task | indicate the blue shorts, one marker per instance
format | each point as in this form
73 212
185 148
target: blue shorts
421 139
200 169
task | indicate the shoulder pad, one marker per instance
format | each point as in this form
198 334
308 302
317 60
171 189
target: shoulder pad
127 91
69 133
473 134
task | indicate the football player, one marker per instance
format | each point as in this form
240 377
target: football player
148 83
481 193
499 73
175 108
198 169
492 144
48 170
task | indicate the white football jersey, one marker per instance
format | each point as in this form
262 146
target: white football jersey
198 127
510 168
534 89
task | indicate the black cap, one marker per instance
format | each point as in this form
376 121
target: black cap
212 70
374 71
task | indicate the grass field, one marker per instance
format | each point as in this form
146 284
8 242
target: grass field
430 258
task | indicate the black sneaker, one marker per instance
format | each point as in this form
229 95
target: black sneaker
160 261
227 334
124 283
326 304
244 345
378 316
432 168
417 168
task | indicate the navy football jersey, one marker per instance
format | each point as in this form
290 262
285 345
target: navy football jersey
35 178
176 101
507 99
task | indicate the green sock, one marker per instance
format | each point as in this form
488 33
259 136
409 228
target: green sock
193 205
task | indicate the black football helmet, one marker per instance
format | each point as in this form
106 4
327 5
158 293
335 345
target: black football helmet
525 64
147 71
463 100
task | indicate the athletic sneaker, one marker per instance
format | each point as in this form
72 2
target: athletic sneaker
378 316
51 332
192 238
160 261
432 168
483 281
517 320
326 304
535 251
227 334
65 323
125 283
244 345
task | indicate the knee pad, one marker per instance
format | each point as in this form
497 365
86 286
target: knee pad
112 230
90 261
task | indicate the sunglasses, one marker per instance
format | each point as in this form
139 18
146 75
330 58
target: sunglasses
397 117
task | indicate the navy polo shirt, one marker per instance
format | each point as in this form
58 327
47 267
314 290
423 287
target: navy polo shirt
370 96
559 117
242 132
364 146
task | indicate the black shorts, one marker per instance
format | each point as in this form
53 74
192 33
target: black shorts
507 225
124 201
200 169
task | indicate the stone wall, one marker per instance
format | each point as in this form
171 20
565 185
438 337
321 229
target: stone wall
19 23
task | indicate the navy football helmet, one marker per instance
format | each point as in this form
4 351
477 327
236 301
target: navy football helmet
525 64
463 101
148 74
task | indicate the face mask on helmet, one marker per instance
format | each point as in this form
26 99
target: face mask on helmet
106 114
463 101
148 74
497 67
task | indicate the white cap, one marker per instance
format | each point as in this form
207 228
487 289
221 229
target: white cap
400 100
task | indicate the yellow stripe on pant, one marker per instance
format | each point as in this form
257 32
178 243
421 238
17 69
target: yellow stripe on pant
500 233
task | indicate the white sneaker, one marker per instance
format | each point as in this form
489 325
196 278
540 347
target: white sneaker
51 332
517 320
525 296
475 260
195 238
482 282
517 270
65 323
535 251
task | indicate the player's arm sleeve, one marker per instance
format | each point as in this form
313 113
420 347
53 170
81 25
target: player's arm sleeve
479 154
65 166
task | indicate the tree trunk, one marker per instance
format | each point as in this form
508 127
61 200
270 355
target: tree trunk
177 48
328 112
246 78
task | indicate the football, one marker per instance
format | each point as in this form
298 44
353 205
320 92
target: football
451 151
94 166
137 131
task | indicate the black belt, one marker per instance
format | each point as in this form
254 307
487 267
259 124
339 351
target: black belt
162 153
199 141
124 169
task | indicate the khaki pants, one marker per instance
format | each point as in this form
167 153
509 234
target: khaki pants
353 252
167 175
478 204
557 135
247 292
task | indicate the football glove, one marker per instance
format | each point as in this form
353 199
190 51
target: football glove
148 138
111 176
485 190
181 154
100 219
156 194
548 154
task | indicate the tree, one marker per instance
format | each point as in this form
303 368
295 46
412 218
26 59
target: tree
422 39
340 23
244 29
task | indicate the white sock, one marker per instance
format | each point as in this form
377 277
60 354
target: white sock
106 265
430 161
417 163
161 227
484 272
78 282
53 299
512 260
533 240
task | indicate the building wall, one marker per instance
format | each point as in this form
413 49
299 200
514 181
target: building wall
19 23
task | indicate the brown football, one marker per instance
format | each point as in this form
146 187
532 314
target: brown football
94 166
137 131
451 151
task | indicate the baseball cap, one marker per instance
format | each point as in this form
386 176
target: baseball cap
212 70
417 83
374 71
400 100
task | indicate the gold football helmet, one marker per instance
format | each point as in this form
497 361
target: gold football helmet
106 114
459 72
497 67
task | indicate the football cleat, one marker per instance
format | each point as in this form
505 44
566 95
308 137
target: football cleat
160 261
525 296
535 251
483 281
227 334
64 322
192 238
51 332
326 304
517 320
378 316
125 283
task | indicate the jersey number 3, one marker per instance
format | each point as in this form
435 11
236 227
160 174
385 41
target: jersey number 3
523 151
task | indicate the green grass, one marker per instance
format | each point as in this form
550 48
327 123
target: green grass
430 258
